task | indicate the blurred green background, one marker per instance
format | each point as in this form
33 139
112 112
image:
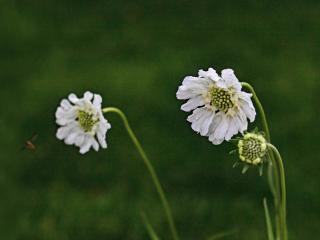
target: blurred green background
135 54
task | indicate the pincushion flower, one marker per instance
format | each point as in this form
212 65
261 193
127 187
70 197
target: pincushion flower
220 108
252 148
81 122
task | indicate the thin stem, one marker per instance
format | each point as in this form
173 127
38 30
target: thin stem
273 176
277 200
268 220
260 108
152 234
283 191
150 168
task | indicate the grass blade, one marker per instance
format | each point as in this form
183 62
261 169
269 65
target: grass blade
151 231
222 234
268 220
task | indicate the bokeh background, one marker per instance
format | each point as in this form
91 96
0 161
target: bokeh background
135 54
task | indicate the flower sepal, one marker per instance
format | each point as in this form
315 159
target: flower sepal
235 140
234 151
245 167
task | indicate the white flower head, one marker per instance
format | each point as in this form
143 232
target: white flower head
220 108
81 122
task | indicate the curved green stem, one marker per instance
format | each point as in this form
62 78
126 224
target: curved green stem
260 108
273 176
277 195
152 234
283 191
150 168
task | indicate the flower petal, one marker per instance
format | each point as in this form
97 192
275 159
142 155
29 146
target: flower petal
73 98
192 103
230 79
192 87
210 74
218 128
232 129
95 144
71 138
86 145
80 140
242 121
88 96
65 104
201 120
249 111
62 132
63 117
222 128
97 100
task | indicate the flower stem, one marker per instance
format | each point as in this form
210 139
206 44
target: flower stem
150 168
260 108
273 174
283 214
273 177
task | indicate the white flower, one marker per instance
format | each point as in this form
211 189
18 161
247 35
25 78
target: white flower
82 122
220 108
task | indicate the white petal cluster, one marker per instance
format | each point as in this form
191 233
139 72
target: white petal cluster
81 122
220 108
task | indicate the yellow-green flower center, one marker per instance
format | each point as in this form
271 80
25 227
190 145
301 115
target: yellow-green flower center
221 99
86 120
252 148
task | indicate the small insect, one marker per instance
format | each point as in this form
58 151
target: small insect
29 144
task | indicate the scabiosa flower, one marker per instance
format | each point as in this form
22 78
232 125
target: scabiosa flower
252 148
82 122
220 108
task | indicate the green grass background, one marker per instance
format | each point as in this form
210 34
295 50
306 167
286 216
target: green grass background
135 54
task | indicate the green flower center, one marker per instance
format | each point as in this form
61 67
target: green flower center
221 99
86 120
252 149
